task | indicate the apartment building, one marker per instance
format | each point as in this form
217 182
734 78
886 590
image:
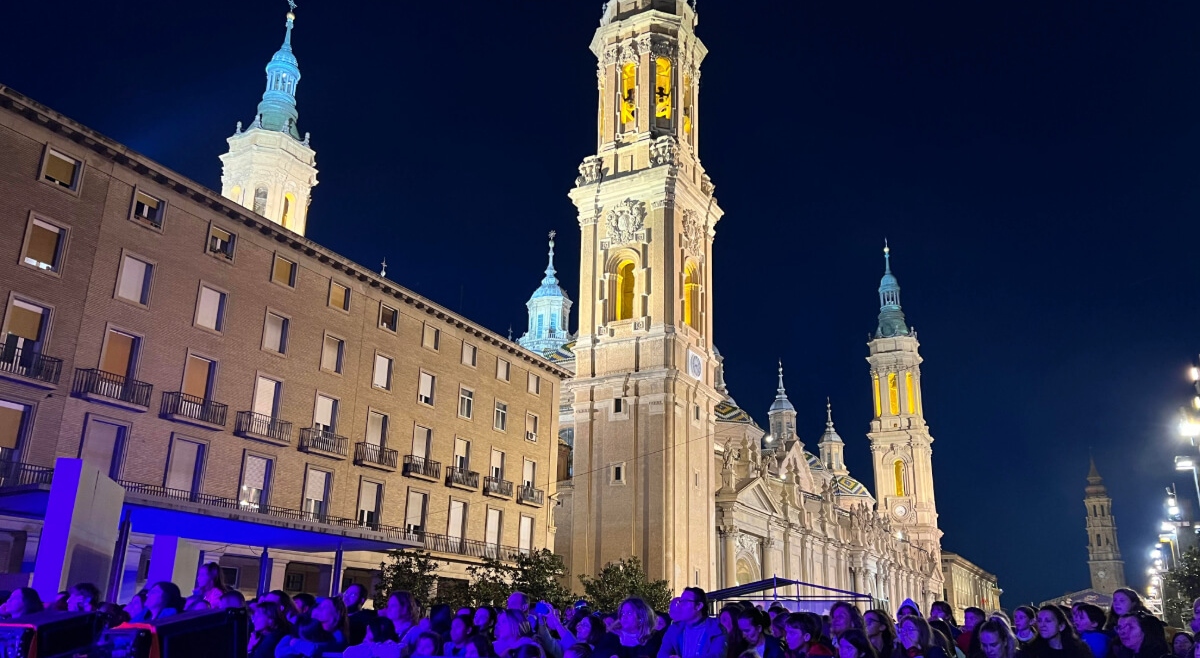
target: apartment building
219 364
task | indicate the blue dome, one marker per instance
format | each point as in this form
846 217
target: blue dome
844 485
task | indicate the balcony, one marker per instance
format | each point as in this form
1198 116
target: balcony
531 496
100 386
497 487
375 456
14 474
30 367
261 427
462 478
322 442
465 547
422 468
190 409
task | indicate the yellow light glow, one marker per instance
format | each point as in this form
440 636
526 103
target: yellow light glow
908 393
893 394
875 390
625 278
662 88
899 468
628 92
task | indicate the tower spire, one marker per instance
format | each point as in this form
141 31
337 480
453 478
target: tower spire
550 272
781 399
277 110
831 445
891 317
549 310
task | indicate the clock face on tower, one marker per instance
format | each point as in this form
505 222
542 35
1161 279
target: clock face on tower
900 510
1101 573
695 365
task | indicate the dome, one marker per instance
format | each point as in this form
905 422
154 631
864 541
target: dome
728 412
549 289
814 462
844 485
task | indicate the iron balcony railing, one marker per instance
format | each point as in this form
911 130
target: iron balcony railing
466 547
249 422
462 477
92 381
369 453
422 466
273 511
178 403
314 438
497 487
528 494
16 474
24 362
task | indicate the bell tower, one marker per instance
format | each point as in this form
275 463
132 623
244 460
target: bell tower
1104 554
900 440
645 387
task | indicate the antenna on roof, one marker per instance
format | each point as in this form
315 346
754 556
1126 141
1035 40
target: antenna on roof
383 267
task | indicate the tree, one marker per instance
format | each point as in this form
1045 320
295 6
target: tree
622 579
491 582
538 574
1181 586
411 571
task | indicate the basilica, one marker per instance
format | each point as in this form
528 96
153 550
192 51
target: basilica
665 465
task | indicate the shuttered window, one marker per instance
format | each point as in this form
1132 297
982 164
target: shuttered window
147 208
12 423
275 333
529 473
185 459
134 285
26 320
502 370
432 337
101 443
331 354
266 397
62 170
470 355
284 272
197 376
492 530
43 249
388 317
368 503
315 491
414 515
462 453
119 352
339 296
534 384
254 481
425 388
376 428
210 309
497 464
422 436
525 537
382 377
326 413
458 519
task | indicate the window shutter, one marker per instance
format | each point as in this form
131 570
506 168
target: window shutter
368 498
196 375
375 423
274 332
43 242
99 445
414 516
208 313
458 513
25 320
426 388
383 367
530 469
133 280
182 474
315 488
497 464
256 473
525 541
12 417
492 532
60 169
118 353
329 353
324 412
265 395
421 442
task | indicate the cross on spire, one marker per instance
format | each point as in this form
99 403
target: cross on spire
292 4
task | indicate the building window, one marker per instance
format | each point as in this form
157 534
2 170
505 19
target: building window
148 209
503 370
531 427
103 441
267 397
525 536
893 394
26 328
898 467
377 427
497 465
491 533
44 246
534 385
462 454
457 526
388 317
470 355
502 417
431 337
199 374
382 377
425 388
333 352
339 296
293 581
325 414
289 202
210 309
618 405
61 170
617 474
133 280
120 354
260 201
275 333
368 503
256 474
623 308
14 423
466 403
628 95
414 515
529 474
422 441
691 297
663 99
316 494
185 465
283 272
221 242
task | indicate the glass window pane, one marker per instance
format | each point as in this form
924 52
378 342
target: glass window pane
181 475
100 444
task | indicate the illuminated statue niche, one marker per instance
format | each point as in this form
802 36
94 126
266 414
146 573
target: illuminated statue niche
628 93
908 393
875 389
623 309
691 297
899 467
687 105
662 89
893 394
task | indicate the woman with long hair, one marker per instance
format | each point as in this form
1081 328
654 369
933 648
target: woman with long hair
996 639
461 628
1124 602
23 601
853 643
1056 638
1143 635
803 637
484 621
1182 644
269 624
1025 625
162 600
404 611
634 635
753 624
209 587
326 633
917 639
881 632
512 631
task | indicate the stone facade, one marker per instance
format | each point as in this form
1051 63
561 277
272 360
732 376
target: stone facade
966 585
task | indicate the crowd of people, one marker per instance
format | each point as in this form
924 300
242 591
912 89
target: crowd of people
283 626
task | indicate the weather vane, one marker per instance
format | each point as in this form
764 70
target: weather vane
552 234
292 4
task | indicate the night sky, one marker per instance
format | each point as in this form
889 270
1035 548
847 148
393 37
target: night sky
1032 164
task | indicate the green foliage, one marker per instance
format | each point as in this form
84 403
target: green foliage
622 579
538 574
1181 586
412 571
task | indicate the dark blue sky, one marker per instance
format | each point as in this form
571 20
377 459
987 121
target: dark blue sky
1033 166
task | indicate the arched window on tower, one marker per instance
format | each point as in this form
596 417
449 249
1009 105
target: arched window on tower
899 468
875 390
628 94
260 200
908 393
663 101
289 202
893 394
687 105
691 296
623 306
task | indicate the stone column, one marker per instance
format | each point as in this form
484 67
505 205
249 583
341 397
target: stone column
174 560
729 542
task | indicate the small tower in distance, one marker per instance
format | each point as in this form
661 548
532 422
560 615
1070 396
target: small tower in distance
549 312
269 169
782 415
1104 554
831 445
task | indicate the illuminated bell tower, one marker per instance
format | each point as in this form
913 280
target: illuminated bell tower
1104 554
900 441
269 169
645 387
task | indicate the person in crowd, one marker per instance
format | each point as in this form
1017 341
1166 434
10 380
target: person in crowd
269 624
162 600
59 604
634 634
195 603
512 631
137 604
590 630
996 639
1195 623
404 611
1182 644
23 601
941 637
692 633
440 616
208 584
1089 619
83 597
728 616
753 625
853 643
326 633
942 610
479 646
428 644
778 626
114 615
484 621
803 637
968 639
579 650
354 597
1025 625
917 639
304 603
529 651
881 632
461 628
380 641
231 599
1142 635
1124 602
1056 638
908 609
776 610
285 602
844 616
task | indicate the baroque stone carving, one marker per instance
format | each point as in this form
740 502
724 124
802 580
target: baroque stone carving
665 151
590 170
625 221
663 48
693 233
